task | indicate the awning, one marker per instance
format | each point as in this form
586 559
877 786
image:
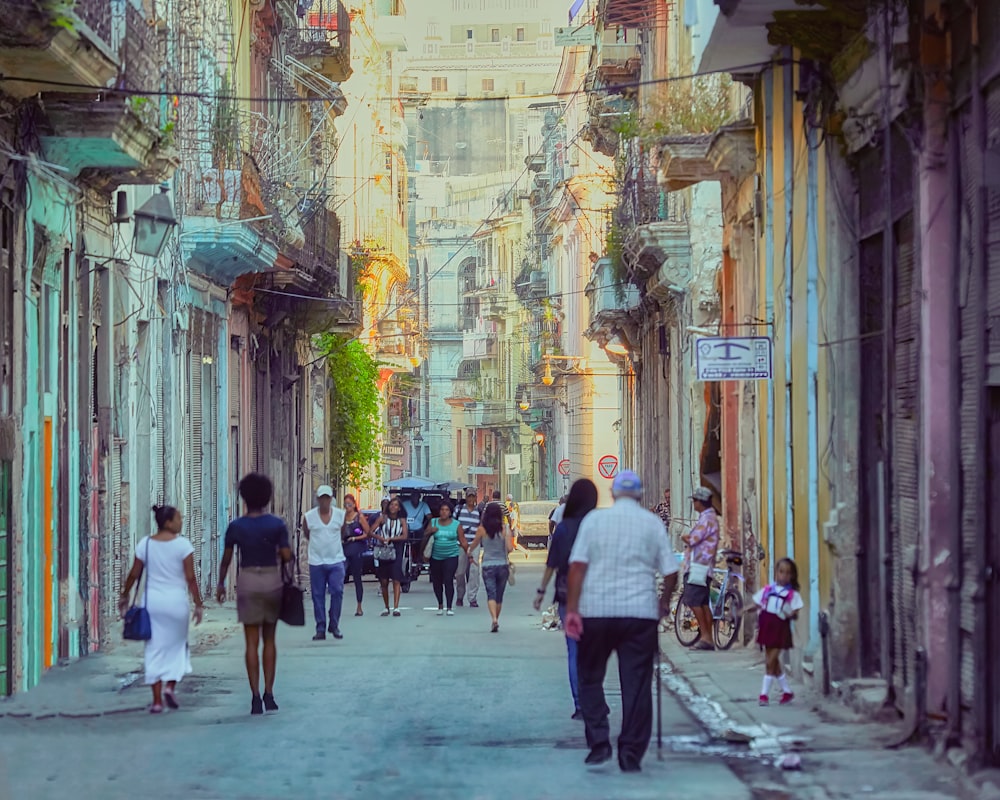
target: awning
739 40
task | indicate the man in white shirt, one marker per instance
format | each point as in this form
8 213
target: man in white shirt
327 563
612 605
467 579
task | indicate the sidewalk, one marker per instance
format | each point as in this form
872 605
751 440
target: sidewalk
843 754
109 682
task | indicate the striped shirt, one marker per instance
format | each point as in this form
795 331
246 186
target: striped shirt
469 519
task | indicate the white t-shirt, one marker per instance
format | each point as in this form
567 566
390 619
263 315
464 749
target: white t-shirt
164 564
782 601
557 514
325 544
624 549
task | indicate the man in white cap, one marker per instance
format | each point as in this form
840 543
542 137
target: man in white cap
612 606
327 563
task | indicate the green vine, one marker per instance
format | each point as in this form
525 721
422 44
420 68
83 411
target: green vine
354 424
615 250
225 128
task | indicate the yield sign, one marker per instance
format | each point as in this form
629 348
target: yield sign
563 467
608 466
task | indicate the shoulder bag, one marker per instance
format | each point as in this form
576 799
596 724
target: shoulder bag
427 546
387 551
698 574
138 628
293 609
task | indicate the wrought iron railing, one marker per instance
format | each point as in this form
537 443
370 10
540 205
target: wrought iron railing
324 28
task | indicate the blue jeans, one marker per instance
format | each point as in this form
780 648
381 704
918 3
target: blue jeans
571 645
321 578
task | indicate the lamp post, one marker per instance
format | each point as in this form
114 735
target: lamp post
154 220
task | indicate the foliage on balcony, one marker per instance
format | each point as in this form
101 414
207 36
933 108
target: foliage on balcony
354 427
692 106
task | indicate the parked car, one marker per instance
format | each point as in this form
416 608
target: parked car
535 524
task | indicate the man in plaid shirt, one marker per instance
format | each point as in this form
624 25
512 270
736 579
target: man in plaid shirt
612 605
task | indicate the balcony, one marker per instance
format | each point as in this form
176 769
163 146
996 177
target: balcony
71 46
617 62
324 39
463 392
610 302
479 345
128 138
390 32
386 240
500 414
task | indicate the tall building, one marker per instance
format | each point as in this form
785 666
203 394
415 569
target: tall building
474 97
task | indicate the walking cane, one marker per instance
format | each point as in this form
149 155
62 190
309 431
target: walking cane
659 703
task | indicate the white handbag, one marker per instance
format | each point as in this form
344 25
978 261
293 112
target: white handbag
698 574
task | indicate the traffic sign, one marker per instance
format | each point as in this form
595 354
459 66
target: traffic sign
734 358
563 467
608 466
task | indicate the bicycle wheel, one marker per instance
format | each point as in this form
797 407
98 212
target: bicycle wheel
727 626
685 625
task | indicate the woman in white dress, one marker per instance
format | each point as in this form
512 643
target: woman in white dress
168 559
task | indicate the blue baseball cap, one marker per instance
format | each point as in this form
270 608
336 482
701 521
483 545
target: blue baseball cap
626 482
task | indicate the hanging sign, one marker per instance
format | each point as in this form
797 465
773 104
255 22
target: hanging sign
512 463
734 358
608 466
572 36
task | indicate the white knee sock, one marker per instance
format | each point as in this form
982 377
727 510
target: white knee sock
766 688
783 681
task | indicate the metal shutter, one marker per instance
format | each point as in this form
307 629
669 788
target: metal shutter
210 476
120 551
905 525
160 421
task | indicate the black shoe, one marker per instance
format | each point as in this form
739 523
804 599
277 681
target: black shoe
598 754
269 703
337 634
578 714
319 637
256 705
629 766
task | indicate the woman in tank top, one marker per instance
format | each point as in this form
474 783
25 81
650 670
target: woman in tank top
449 540
390 530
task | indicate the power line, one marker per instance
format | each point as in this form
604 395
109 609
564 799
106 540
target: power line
617 88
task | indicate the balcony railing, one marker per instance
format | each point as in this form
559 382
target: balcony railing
482 50
325 32
96 15
385 236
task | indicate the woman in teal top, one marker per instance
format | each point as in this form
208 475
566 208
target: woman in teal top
448 538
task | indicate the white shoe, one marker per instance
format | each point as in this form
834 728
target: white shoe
451 613
440 612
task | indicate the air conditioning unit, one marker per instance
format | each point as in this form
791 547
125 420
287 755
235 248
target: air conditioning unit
394 421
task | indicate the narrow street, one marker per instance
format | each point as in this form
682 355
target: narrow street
416 707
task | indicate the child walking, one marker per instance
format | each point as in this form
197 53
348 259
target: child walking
779 604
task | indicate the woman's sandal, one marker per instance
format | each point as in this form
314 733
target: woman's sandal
359 613
156 709
384 613
171 699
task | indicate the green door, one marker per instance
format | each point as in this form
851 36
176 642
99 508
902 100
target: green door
5 577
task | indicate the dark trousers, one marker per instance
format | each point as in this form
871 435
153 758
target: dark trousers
635 642
355 564
443 578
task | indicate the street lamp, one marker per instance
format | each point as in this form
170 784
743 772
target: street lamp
616 347
154 220
547 378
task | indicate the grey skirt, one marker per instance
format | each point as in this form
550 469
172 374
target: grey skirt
258 595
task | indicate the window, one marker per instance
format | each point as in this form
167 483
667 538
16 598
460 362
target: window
6 308
432 30
520 35
458 447
488 84
439 84
520 88
468 34
494 34
546 27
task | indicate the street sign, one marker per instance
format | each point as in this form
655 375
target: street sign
608 466
572 36
563 467
734 358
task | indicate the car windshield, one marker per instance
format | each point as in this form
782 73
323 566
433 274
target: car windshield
536 508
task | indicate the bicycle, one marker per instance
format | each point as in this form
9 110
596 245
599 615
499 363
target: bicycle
726 605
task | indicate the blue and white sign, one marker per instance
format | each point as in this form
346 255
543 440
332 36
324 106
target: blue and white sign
734 358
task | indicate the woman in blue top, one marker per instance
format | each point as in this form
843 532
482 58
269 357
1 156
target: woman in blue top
262 540
448 540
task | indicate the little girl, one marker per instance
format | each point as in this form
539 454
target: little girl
779 604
